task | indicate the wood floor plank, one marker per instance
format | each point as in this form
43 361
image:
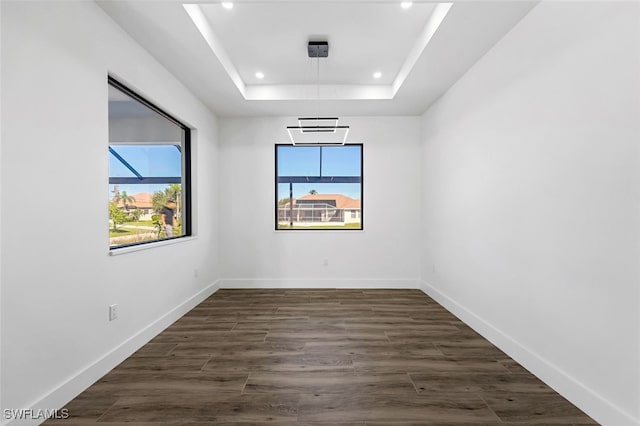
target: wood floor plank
281 423
353 347
428 422
162 409
473 348
275 409
200 323
95 423
280 363
393 408
310 336
417 349
216 408
516 407
283 316
210 335
127 383
375 363
329 383
462 382
172 363
292 326
435 332
248 349
394 324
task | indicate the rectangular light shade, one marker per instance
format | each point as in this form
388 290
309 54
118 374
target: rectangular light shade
318 131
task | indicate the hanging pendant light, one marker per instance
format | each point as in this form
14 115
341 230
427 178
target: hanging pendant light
318 130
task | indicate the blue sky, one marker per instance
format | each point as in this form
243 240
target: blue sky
148 160
165 160
305 161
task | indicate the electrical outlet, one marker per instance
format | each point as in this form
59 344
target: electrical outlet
113 312
326 262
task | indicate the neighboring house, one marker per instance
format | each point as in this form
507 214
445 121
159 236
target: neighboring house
331 209
142 201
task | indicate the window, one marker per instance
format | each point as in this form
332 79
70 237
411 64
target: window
149 171
319 188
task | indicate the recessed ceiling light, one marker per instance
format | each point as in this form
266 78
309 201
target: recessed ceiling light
406 4
227 5
260 75
377 74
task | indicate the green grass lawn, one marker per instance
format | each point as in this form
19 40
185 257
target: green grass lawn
139 223
346 226
121 232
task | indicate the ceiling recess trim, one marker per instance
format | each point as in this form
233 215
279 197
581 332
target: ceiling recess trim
201 22
279 92
438 15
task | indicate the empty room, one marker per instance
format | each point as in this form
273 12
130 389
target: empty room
350 212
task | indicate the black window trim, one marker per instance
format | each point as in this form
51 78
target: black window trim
313 179
186 156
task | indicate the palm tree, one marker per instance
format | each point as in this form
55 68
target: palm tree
313 192
125 198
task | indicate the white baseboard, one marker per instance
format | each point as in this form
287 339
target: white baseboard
64 393
573 390
235 283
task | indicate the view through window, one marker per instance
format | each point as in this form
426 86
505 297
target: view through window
148 171
319 188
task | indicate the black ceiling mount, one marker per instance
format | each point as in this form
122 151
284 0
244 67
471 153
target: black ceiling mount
318 49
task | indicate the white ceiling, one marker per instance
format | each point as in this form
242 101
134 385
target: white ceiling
420 51
275 35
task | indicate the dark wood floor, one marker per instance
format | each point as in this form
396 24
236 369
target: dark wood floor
320 357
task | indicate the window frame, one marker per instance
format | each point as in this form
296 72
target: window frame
187 225
329 229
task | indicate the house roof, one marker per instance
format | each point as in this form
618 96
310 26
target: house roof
143 200
342 201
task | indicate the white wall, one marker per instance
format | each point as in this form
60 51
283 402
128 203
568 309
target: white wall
1 133
58 278
531 179
384 254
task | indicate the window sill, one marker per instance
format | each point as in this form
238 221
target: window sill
123 250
